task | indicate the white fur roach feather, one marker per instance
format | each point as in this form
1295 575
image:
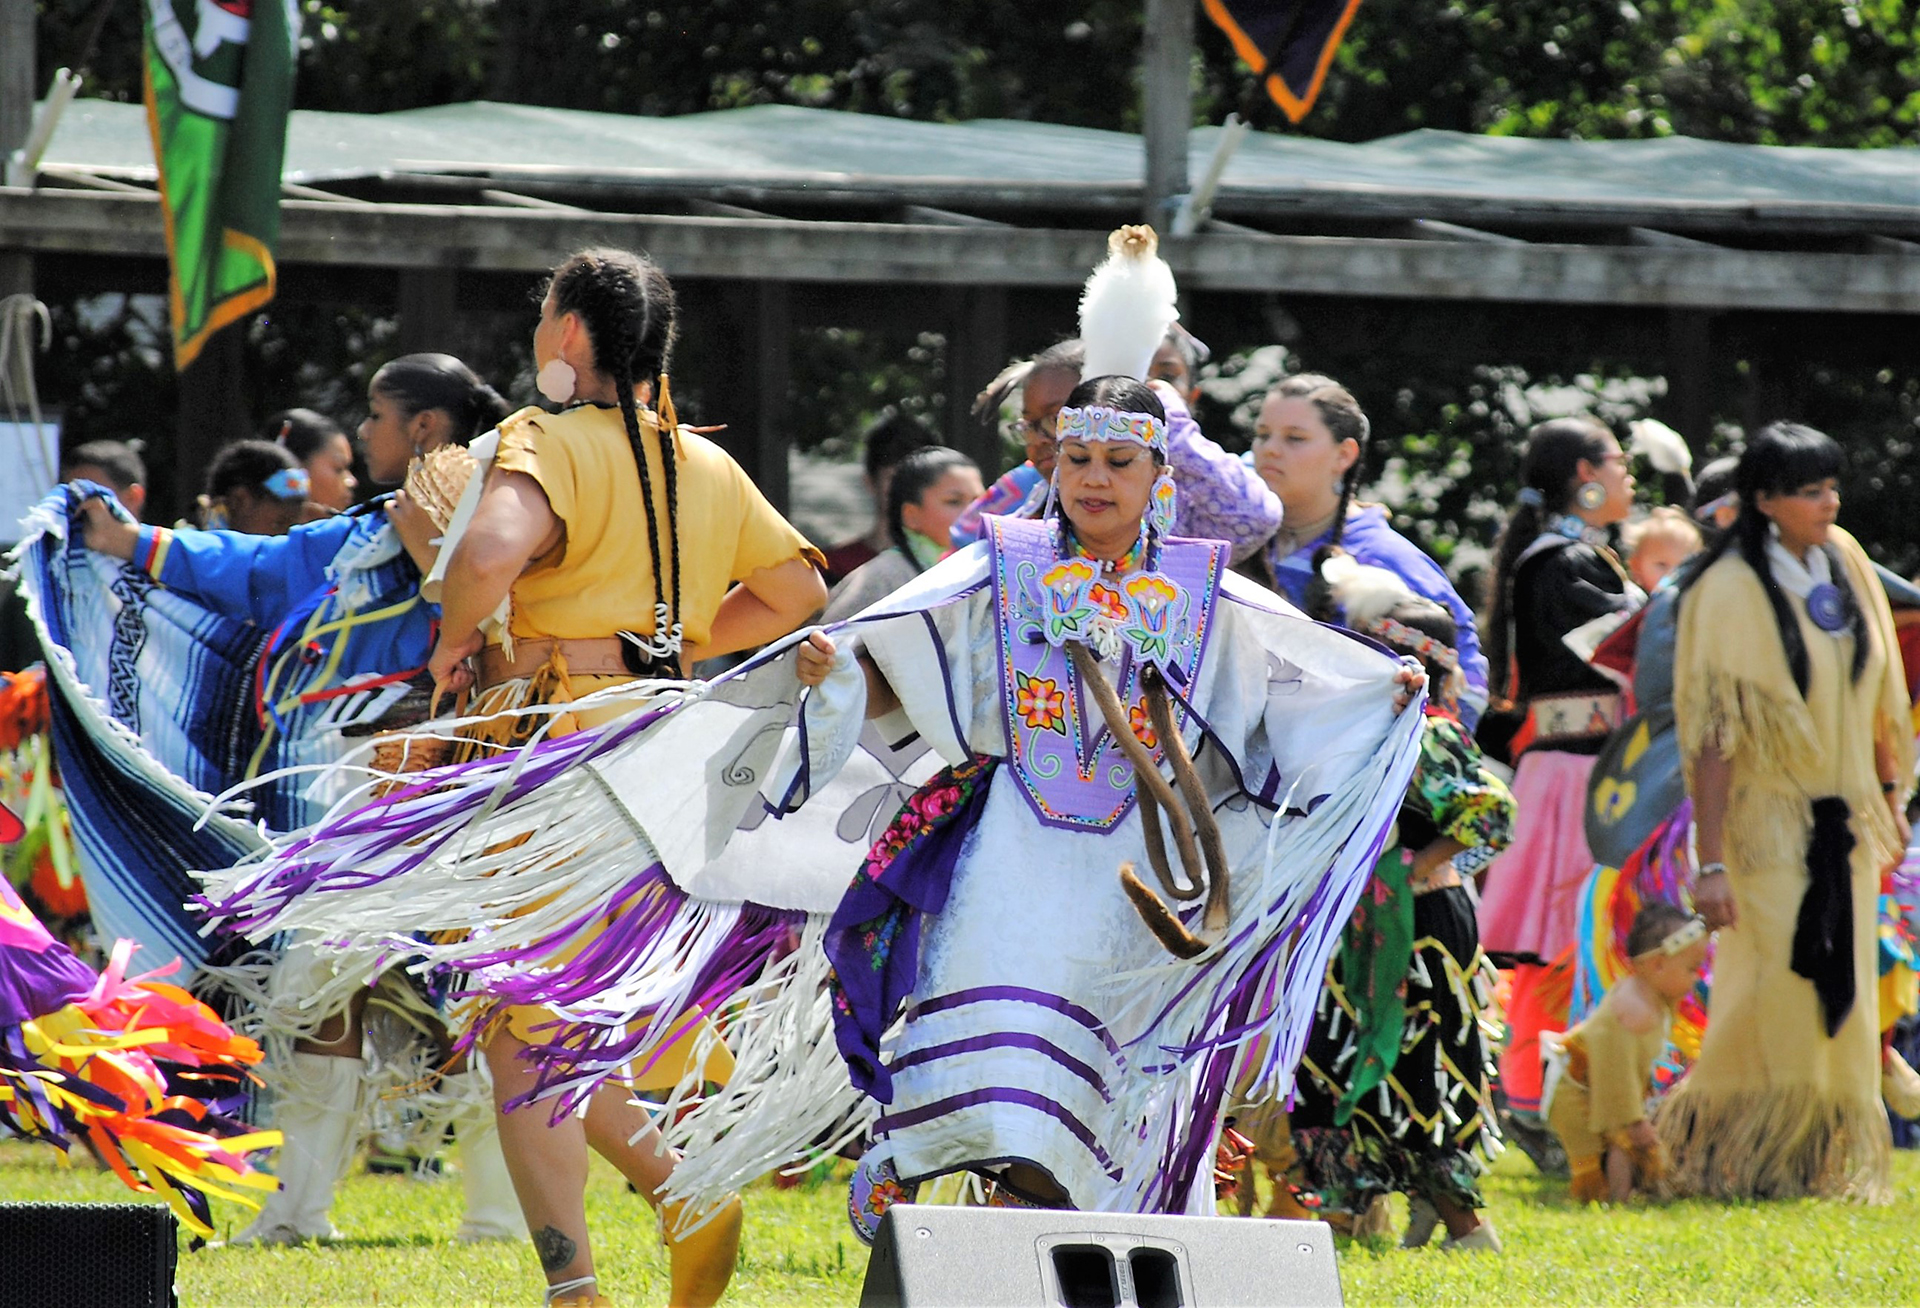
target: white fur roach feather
1665 448
1364 593
1127 306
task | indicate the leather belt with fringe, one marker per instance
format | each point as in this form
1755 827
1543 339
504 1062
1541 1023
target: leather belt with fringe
594 656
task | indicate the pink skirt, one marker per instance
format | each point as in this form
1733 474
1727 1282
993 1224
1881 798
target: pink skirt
1531 904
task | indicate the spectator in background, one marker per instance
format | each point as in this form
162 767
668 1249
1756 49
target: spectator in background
1178 361
1554 571
888 440
929 489
1044 381
322 447
1792 712
111 463
1716 503
254 487
1659 543
1310 447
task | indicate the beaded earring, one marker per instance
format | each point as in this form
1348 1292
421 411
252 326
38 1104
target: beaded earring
1165 502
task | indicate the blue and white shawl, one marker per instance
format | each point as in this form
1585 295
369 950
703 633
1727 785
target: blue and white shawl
157 706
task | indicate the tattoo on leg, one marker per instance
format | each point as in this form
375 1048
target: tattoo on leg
554 1248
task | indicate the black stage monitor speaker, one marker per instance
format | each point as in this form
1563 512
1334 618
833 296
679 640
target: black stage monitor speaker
933 1257
87 1255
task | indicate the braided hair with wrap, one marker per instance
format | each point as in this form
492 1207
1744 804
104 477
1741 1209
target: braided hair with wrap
627 306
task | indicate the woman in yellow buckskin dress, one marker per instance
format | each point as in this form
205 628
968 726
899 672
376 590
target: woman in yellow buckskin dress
1792 712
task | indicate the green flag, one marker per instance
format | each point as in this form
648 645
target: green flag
219 82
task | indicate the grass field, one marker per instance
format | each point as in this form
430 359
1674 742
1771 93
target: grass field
798 1251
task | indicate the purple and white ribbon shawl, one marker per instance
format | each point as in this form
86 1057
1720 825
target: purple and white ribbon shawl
520 853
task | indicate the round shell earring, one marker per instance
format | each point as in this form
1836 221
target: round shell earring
1590 496
556 380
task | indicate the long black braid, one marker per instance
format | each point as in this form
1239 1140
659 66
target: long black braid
629 310
1780 459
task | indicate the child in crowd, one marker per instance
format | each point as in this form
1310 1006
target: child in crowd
1658 544
1604 1065
1394 1091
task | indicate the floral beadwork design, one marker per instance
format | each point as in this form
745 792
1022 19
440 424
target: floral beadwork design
1152 606
1068 608
1109 602
1040 702
1142 724
1071 771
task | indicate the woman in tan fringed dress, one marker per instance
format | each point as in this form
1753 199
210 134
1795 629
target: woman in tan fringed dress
1792 714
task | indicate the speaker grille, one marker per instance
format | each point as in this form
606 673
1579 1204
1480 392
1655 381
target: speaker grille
87 1255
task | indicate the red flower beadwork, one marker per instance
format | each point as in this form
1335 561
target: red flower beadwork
1143 725
1040 702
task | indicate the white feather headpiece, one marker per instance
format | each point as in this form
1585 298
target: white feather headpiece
1364 593
1127 306
1665 448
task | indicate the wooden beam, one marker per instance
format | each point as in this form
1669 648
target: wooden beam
706 208
1115 198
1690 374
17 51
215 408
1659 240
487 238
773 376
926 213
300 192
1871 244
93 182
17 88
745 373
515 200
1432 229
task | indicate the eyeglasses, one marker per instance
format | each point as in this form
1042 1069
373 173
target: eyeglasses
1043 429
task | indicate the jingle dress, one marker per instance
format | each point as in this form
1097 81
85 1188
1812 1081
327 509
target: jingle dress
1395 1088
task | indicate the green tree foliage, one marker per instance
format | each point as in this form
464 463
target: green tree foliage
1767 72
1775 72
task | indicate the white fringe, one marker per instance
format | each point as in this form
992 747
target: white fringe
789 1101
1154 1104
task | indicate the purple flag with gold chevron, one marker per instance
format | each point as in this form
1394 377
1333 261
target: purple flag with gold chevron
1289 44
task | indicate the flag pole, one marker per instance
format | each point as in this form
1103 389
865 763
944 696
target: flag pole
1167 106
